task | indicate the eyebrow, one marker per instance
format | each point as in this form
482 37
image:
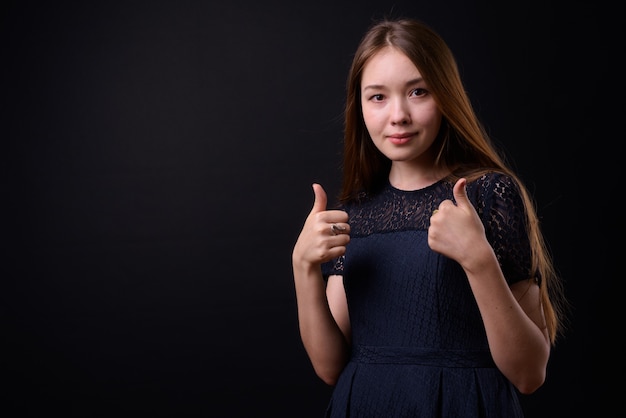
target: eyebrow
380 86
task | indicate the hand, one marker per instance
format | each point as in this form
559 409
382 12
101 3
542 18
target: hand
318 242
456 230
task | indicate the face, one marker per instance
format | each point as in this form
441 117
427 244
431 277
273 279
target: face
400 114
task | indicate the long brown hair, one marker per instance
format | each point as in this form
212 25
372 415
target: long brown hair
464 146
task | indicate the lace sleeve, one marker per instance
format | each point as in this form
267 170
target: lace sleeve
501 208
333 267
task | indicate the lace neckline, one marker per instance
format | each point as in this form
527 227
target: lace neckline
424 189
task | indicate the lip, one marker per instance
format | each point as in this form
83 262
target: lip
400 138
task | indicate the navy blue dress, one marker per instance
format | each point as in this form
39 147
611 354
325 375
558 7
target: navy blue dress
419 344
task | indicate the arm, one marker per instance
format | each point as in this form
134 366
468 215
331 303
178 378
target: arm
321 335
513 317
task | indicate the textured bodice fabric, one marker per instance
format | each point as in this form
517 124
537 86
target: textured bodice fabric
419 347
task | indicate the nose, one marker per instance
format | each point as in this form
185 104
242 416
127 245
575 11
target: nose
400 114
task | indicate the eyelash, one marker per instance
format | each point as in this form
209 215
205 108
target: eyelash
420 92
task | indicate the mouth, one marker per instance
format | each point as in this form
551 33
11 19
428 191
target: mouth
400 138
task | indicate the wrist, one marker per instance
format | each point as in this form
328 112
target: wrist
481 258
305 269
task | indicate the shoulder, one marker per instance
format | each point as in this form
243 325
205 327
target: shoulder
494 184
364 198
495 191
493 180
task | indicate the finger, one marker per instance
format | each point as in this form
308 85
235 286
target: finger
321 200
337 229
460 193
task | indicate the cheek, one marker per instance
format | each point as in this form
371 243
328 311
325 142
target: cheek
372 120
430 117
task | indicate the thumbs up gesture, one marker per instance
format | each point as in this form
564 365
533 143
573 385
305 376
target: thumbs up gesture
456 231
325 233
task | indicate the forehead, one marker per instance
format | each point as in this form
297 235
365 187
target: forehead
388 64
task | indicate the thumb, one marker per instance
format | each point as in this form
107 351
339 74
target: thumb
319 205
460 193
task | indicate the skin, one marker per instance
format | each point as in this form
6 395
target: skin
403 120
401 117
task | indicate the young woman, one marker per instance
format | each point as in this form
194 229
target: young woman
429 291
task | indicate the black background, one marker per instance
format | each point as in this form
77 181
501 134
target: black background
157 167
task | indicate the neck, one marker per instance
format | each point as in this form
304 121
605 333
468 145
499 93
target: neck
409 177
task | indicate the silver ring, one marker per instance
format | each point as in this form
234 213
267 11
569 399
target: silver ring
336 229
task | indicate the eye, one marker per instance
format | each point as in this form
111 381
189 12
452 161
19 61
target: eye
377 97
419 92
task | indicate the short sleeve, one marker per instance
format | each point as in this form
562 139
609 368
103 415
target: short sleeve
500 206
333 267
